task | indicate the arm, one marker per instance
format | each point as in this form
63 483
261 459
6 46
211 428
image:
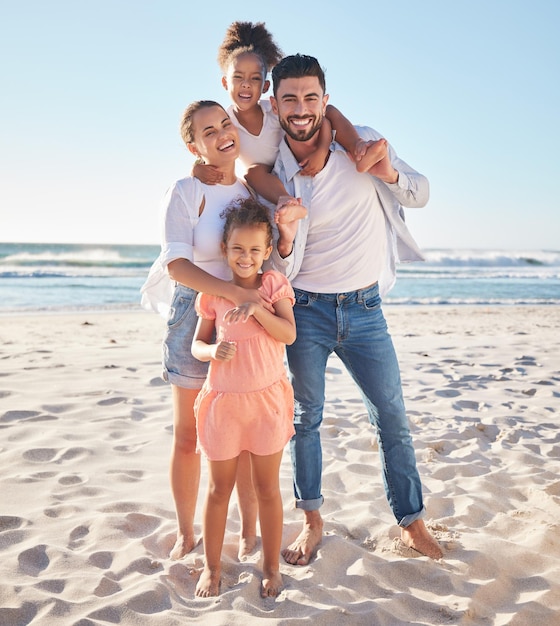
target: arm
182 205
269 186
346 135
202 347
280 325
266 184
410 188
315 162
187 273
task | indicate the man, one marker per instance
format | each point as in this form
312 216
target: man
341 259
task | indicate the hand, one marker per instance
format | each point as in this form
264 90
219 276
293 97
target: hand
207 174
313 164
240 313
253 296
224 351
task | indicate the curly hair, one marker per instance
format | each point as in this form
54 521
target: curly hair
246 212
243 37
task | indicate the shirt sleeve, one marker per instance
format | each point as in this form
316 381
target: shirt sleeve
204 306
277 287
179 210
412 189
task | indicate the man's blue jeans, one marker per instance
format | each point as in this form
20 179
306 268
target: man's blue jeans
353 326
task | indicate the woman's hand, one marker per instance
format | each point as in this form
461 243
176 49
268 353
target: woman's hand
252 296
241 313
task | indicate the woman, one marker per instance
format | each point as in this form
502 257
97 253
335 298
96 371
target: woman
191 261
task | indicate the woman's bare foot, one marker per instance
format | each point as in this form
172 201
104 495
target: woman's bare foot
302 550
183 545
416 536
271 584
246 546
208 584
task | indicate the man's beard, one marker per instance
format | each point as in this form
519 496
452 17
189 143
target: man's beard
303 134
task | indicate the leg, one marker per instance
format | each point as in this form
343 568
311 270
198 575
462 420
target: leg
307 359
368 353
266 470
247 503
221 478
184 469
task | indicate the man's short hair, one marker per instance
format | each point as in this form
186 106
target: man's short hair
297 66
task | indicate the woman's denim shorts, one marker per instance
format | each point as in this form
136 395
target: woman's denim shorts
180 368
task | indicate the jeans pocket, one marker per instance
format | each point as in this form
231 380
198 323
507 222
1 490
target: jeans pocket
371 300
181 305
303 298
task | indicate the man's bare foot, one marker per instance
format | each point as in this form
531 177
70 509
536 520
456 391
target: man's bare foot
208 584
246 546
183 545
416 536
302 550
271 584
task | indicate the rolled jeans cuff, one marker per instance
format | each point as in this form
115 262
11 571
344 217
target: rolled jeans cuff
311 505
407 520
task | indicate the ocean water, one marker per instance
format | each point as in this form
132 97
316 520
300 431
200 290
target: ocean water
54 277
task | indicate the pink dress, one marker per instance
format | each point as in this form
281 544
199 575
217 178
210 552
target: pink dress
246 403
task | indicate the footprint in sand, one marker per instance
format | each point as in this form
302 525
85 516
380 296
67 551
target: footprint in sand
13 416
61 511
448 393
138 524
33 561
72 479
48 455
10 522
24 614
107 587
102 560
111 401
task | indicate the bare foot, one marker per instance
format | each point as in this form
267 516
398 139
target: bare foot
208 584
301 551
246 546
183 545
416 536
288 210
375 151
271 584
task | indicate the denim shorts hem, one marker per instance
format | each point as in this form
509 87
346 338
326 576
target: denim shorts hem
186 382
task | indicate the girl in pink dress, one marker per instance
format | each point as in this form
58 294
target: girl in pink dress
246 402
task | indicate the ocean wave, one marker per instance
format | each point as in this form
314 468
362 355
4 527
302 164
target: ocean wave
492 258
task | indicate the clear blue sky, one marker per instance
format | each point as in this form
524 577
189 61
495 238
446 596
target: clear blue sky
467 91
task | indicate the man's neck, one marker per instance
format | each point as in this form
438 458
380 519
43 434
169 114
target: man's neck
302 149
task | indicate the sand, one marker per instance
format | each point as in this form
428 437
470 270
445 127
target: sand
87 519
